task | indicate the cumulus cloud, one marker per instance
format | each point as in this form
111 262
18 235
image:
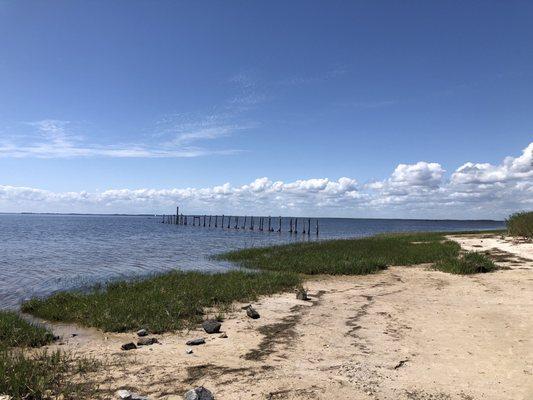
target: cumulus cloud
510 170
413 190
420 174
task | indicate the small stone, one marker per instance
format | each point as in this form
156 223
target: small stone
73 335
128 346
189 351
211 326
145 341
124 394
223 335
195 342
199 393
142 332
251 312
135 396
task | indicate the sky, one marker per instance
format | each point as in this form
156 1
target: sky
304 108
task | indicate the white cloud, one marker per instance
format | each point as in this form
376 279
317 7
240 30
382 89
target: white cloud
418 190
420 174
483 173
55 139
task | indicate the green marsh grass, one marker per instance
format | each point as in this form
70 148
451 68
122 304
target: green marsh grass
469 263
520 224
160 303
348 256
45 375
16 332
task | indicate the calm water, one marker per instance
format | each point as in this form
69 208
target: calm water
40 254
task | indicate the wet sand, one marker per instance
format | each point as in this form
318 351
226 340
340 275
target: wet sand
405 333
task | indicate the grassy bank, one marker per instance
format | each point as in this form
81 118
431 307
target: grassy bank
162 303
348 256
520 224
16 332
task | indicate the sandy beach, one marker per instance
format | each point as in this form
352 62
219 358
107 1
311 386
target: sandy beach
404 333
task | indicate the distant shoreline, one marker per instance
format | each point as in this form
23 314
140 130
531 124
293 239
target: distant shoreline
283 216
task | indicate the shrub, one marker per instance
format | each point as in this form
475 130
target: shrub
520 224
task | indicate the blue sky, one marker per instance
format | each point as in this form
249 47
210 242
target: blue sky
99 97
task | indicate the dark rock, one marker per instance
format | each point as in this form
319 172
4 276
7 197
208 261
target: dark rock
211 326
199 393
142 332
251 312
147 341
301 294
195 342
128 346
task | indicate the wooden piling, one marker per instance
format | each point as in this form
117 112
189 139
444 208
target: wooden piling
317 226
279 228
229 221
270 224
236 222
295 225
308 226
244 223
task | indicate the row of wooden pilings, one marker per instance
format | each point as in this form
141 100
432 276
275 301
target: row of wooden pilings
233 222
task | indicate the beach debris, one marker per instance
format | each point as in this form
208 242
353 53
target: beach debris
251 312
5 397
400 364
199 393
73 334
301 294
223 335
146 341
189 351
195 342
142 332
127 395
211 326
128 346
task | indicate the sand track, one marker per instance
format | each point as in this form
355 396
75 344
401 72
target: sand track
405 333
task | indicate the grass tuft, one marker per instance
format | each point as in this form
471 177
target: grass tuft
520 224
16 332
348 256
44 375
469 263
161 303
